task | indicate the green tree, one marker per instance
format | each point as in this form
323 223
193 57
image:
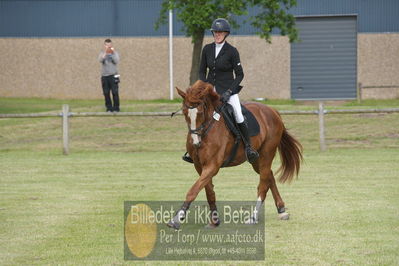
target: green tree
197 17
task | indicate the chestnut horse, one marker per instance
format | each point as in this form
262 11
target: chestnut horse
209 144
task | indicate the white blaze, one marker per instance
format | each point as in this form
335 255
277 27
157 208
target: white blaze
192 113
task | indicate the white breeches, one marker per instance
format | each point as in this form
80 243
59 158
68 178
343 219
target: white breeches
235 102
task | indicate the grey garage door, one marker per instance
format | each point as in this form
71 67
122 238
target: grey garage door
324 62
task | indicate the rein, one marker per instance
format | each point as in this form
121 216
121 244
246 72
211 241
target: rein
206 126
173 113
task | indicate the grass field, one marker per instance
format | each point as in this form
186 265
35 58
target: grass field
57 209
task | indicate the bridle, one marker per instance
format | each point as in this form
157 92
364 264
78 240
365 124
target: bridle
205 127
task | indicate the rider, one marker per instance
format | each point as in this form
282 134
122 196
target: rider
222 60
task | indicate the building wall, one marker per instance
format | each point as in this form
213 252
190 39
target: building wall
50 48
68 68
85 18
378 64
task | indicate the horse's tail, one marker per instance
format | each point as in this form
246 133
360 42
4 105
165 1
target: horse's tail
291 157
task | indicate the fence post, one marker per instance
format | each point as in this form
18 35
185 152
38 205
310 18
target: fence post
322 138
359 92
65 128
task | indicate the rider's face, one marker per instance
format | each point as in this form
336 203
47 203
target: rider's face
219 36
107 45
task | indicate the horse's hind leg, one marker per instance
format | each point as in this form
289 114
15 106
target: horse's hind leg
267 181
262 167
282 214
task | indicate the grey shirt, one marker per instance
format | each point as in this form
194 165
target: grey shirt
109 63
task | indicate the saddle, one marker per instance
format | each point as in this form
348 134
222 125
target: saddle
253 127
228 115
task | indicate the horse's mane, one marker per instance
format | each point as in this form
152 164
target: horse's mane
199 91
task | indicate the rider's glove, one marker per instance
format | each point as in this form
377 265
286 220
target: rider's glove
226 96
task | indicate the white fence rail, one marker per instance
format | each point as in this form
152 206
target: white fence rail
65 114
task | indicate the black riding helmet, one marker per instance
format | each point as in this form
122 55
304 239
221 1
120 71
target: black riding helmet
220 24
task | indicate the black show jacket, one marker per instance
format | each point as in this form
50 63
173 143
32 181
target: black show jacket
221 68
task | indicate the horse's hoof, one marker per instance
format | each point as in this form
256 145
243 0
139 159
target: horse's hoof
251 220
211 226
173 225
284 216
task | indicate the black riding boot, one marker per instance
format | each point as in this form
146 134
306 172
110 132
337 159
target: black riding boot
252 155
186 157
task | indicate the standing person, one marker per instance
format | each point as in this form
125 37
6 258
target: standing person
109 59
221 66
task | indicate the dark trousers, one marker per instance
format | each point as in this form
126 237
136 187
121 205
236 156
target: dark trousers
109 85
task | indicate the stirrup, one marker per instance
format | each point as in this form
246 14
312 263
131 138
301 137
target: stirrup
187 158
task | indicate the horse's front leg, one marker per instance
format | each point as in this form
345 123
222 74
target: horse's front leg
211 197
205 177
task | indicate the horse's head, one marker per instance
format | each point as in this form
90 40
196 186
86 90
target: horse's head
199 102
